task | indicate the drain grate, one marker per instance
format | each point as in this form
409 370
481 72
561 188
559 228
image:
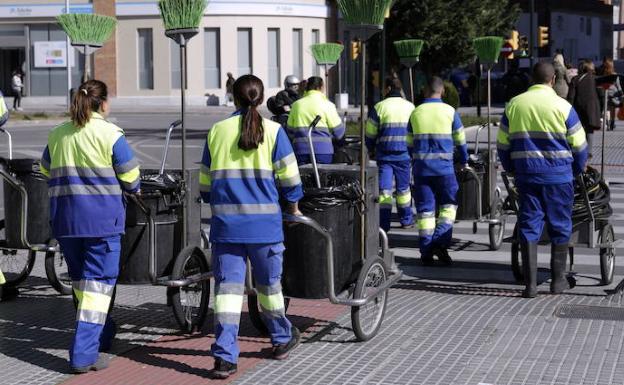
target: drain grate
605 313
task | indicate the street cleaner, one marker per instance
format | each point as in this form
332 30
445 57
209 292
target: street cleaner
90 165
542 142
247 166
329 129
438 132
6 293
389 138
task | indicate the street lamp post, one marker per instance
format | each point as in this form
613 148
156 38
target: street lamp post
67 50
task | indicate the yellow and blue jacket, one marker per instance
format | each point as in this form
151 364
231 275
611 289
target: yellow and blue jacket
244 187
541 138
302 114
437 131
387 129
4 111
88 170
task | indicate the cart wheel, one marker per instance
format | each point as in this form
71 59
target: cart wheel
516 260
497 231
190 303
16 265
366 319
607 254
56 270
255 313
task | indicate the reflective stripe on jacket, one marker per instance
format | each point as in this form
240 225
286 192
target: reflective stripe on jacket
88 168
329 127
387 129
4 111
244 187
437 131
541 138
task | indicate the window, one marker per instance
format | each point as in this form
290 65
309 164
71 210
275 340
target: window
244 51
298 53
588 26
212 58
146 59
175 64
274 57
316 38
582 24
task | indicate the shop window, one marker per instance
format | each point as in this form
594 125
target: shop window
274 57
212 58
146 59
298 53
244 51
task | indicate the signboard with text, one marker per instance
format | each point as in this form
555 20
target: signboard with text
50 54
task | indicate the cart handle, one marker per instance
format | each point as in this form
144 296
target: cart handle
166 151
329 247
311 128
10 138
481 127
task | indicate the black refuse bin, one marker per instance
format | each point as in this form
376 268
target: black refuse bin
27 172
334 207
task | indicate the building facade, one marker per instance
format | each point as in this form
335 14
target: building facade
270 39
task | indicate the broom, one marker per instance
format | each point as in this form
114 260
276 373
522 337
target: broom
488 50
327 55
409 53
181 19
87 33
364 12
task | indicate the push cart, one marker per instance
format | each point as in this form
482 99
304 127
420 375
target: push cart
324 258
153 250
25 224
590 224
479 198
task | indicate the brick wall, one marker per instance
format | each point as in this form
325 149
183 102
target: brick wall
105 66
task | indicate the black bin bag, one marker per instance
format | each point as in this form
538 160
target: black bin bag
335 207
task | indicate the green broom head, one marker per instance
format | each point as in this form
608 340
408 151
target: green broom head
182 14
364 12
409 49
326 53
488 48
87 28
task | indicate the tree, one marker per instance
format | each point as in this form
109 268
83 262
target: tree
448 27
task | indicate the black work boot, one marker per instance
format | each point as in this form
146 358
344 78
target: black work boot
529 267
223 369
100 364
558 258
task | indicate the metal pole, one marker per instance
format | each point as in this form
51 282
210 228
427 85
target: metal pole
531 35
411 80
183 101
479 77
382 72
491 157
604 128
68 48
363 148
327 80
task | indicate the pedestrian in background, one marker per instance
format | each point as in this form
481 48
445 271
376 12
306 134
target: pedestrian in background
614 93
229 89
17 86
438 132
561 76
90 164
329 129
247 165
583 95
389 138
541 141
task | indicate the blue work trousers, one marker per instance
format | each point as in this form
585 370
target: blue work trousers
391 172
93 265
229 266
545 203
435 193
320 159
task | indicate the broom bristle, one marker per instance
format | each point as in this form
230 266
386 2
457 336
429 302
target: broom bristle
488 48
182 14
365 12
87 28
410 48
326 53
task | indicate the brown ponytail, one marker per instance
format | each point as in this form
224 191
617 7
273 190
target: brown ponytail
248 95
87 99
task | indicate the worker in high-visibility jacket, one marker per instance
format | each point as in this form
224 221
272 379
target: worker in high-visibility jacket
329 129
542 142
90 164
247 165
389 138
438 131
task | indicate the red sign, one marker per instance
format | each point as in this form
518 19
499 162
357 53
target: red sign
507 50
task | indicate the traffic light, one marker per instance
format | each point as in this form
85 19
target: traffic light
524 46
514 40
355 50
542 36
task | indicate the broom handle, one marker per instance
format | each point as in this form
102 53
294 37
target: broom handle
327 80
491 176
362 150
411 78
183 70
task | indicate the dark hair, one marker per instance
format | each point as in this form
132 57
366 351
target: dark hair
434 85
87 99
543 72
248 95
314 83
394 84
